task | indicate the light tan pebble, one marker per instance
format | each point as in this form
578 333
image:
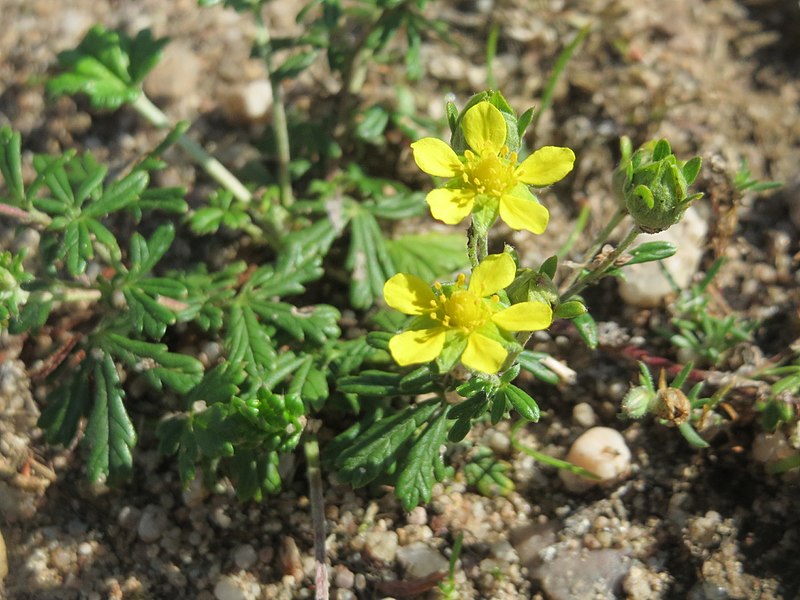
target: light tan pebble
381 545
418 516
361 581
602 451
228 588
244 556
343 594
175 576
420 560
343 577
63 559
289 558
769 448
248 102
583 415
503 550
499 441
219 518
645 285
176 74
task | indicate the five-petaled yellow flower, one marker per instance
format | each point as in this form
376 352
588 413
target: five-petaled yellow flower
488 175
468 317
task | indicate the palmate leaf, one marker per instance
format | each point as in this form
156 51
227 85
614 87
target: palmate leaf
108 66
315 323
423 465
76 202
160 366
110 435
379 446
147 314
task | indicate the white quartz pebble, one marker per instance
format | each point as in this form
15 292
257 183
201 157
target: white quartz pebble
600 450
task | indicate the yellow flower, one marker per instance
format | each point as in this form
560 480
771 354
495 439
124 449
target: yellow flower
488 175
466 319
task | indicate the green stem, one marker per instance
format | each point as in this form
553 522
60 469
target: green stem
599 271
544 458
210 165
280 125
311 448
599 240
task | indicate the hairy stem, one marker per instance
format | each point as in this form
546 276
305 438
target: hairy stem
279 123
601 269
311 448
210 165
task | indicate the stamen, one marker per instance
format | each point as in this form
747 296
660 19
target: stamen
461 280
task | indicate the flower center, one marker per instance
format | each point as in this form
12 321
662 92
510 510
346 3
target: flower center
489 174
465 310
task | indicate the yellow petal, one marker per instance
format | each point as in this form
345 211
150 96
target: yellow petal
450 206
484 128
409 294
483 354
435 157
521 213
495 273
545 166
415 347
525 316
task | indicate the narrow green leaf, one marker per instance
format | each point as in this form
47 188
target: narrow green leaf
118 195
11 164
521 401
65 407
569 310
650 251
587 328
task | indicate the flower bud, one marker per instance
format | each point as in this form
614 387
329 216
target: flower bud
654 185
636 402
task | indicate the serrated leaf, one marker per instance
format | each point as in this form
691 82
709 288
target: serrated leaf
429 255
422 465
110 435
246 340
316 323
161 367
213 431
147 315
145 254
488 475
118 195
375 449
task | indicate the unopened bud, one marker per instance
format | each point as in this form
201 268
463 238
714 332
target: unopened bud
636 402
654 185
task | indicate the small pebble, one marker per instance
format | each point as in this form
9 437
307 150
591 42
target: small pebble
600 450
420 560
152 523
343 577
583 415
228 588
244 556
381 545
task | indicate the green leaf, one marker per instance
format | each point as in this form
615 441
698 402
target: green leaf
489 475
429 255
650 251
368 260
110 435
294 65
161 367
521 401
423 465
247 341
587 328
549 267
371 453
569 310
145 254
107 66
118 195
371 383
316 323
65 407
372 124
532 363
11 165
